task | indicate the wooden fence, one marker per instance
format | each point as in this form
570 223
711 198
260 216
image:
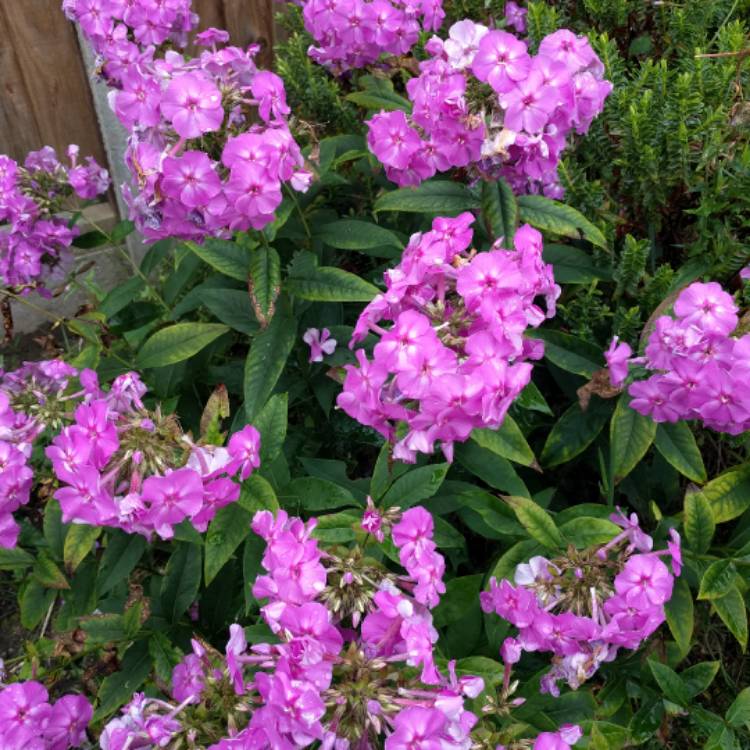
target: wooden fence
45 96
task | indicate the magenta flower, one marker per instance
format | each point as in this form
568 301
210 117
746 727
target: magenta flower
268 89
463 42
23 711
529 104
645 581
320 343
708 306
563 739
191 178
188 679
617 357
501 60
675 550
650 397
417 729
236 648
515 16
138 101
244 448
392 139
172 498
372 521
67 723
192 103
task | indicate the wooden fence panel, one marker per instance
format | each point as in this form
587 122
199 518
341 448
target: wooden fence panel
45 96
247 21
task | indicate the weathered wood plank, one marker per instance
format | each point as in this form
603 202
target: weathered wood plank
55 89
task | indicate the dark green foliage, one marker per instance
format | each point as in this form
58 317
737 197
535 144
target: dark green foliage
316 98
666 168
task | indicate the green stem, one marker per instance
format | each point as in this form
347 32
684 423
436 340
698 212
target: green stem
136 268
301 213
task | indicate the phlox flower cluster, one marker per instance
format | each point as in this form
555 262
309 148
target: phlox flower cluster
700 370
35 236
33 398
209 147
30 721
342 622
120 464
482 103
586 606
455 356
355 33
125 31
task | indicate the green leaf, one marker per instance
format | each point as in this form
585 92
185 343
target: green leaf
461 595
257 494
35 603
120 557
507 441
271 423
381 474
164 656
729 494
182 580
415 486
315 494
698 522
78 542
574 432
537 522
229 528
497 471
679 612
698 677
48 574
432 197
119 687
531 399
677 445
378 94
232 307
487 515
266 361
573 266
557 218
670 683
121 230
106 628
630 437
718 579
568 352
265 282
351 234
500 210
252 555
509 561
328 284
54 528
177 342
226 257
738 714
121 296
731 608
586 531
15 558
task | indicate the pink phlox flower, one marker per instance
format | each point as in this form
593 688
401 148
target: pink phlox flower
320 343
618 356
